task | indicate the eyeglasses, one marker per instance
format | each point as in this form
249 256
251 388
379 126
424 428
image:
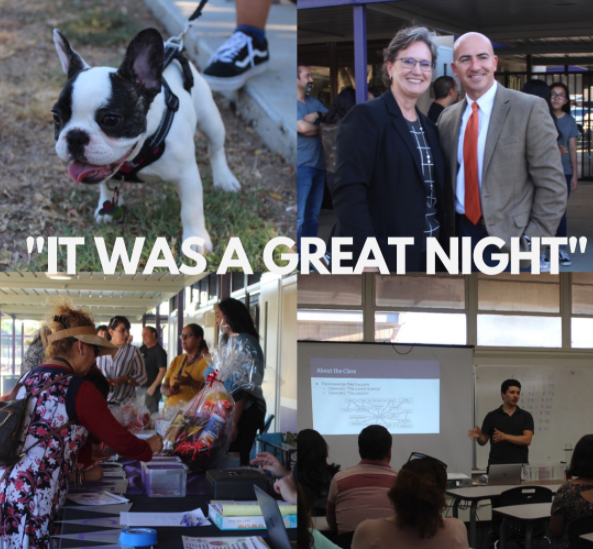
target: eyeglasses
185 336
418 455
410 63
558 95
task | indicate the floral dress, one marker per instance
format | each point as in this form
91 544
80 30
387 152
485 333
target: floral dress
35 488
569 503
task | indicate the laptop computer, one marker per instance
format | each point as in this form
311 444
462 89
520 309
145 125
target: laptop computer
508 474
271 512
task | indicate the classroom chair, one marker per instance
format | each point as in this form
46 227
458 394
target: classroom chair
576 529
524 495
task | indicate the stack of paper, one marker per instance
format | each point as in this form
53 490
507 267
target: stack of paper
232 515
228 543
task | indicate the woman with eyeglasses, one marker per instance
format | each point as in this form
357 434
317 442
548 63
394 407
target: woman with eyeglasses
569 133
126 370
418 498
184 377
65 410
238 330
389 178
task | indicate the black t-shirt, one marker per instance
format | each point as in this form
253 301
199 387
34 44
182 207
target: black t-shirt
505 452
435 111
154 358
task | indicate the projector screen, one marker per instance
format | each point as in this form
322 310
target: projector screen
423 395
401 395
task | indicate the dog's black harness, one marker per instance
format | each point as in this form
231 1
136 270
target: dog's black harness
154 146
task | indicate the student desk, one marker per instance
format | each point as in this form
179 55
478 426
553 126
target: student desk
474 495
530 514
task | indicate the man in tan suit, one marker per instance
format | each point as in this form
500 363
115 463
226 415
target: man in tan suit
503 167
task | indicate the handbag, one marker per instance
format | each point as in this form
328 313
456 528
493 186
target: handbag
13 413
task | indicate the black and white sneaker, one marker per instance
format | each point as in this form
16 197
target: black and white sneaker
239 58
564 258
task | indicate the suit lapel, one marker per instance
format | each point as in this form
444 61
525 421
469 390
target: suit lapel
457 115
401 126
500 108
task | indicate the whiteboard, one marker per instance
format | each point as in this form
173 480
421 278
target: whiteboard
559 398
456 401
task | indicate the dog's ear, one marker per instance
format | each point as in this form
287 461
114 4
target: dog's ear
71 61
143 63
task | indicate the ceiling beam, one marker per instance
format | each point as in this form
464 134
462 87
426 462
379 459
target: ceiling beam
544 30
45 301
543 49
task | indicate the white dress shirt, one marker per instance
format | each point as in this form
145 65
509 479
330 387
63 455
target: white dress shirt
485 104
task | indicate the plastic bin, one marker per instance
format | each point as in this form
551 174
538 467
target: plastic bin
156 459
165 480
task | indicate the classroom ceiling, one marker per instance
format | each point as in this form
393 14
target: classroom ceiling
543 28
28 295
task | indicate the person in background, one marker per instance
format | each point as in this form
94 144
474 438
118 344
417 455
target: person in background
184 378
66 408
569 132
310 163
126 370
373 92
445 94
234 321
103 331
155 361
574 499
360 492
418 498
34 355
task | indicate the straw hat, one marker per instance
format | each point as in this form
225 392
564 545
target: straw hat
86 334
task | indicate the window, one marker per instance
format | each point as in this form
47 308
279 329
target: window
420 327
330 290
519 331
328 325
420 291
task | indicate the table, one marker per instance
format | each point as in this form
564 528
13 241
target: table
169 537
530 514
474 495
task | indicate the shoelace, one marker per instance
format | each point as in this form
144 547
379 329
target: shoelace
231 48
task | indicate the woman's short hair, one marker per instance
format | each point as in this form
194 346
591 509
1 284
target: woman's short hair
64 317
117 320
418 496
403 40
581 464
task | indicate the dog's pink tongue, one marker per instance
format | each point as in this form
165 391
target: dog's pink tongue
79 170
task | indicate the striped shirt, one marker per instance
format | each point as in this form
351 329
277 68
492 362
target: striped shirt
128 361
360 493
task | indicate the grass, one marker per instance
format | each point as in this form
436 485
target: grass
227 214
101 27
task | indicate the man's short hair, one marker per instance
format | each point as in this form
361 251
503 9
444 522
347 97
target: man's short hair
509 383
374 442
152 330
442 86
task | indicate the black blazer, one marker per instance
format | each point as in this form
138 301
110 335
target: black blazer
379 189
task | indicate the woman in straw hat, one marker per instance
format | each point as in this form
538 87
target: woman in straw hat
63 409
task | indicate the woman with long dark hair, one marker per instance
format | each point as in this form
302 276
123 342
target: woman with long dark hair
307 537
126 370
569 133
418 498
238 331
574 499
184 377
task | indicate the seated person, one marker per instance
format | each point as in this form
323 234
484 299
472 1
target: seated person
574 499
418 498
307 536
315 473
360 492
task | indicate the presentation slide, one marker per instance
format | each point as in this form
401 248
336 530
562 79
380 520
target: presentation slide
401 395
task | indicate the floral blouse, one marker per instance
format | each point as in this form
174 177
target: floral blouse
569 503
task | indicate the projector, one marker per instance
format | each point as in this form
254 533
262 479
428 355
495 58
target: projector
458 480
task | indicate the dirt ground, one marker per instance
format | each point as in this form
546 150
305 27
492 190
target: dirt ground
38 198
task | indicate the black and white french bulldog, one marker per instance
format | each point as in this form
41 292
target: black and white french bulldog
104 116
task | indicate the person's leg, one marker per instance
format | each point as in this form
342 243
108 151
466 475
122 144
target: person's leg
251 421
252 13
245 53
304 184
314 200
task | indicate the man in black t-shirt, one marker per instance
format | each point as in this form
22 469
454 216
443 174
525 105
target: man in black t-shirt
509 428
155 359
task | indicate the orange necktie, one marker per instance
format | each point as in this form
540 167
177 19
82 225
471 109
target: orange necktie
470 162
